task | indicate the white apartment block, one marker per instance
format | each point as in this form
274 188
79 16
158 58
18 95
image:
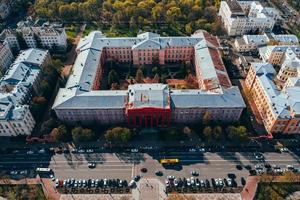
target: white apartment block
17 85
5 8
243 17
51 37
253 42
6 56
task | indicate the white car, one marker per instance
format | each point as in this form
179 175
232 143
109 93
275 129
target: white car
13 172
30 152
52 177
284 150
90 151
290 167
134 150
131 183
56 183
175 182
42 151
81 151
192 150
229 182
170 177
188 182
192 181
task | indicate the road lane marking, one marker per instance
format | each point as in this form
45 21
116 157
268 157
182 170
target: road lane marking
148 161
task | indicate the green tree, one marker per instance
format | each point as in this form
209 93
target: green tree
217 132
206 118
237 134
61 134
139 76
80 134
208 134
113 77
118 135
48 125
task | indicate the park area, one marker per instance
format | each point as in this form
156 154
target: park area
24 192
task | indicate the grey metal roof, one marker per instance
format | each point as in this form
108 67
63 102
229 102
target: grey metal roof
32 56
148 95
228 98
94 99
17 82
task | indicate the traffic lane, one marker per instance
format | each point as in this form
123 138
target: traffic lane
99 172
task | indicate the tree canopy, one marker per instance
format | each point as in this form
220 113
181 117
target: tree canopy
180 15
118 134
80 134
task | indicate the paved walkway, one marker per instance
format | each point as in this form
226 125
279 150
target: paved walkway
149 189
250 188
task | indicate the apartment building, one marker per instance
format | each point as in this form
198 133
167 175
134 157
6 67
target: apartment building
289 68
6 56
5 8
46 36
252 42
275 54
243 17
148 104
279 109
17 86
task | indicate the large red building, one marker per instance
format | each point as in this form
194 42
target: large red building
148 105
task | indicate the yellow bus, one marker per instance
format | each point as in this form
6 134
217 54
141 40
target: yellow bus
169 161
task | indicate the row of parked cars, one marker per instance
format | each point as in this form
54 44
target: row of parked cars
192 182
91 183
262 168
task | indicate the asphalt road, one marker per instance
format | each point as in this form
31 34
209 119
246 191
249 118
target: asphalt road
127 165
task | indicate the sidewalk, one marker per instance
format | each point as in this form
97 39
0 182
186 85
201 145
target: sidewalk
149 189
250 188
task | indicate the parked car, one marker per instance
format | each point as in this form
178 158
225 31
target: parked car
258 156
194 173
144 170
134 150
158 173
29 152
284 150
132 183
92 165
89 151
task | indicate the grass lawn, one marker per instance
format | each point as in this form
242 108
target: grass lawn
276 191
22 192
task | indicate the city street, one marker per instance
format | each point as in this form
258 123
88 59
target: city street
127 165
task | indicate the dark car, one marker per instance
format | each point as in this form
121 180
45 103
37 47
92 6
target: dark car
207 183
239 167
158 173
243 181
137 178
248 167
144 170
